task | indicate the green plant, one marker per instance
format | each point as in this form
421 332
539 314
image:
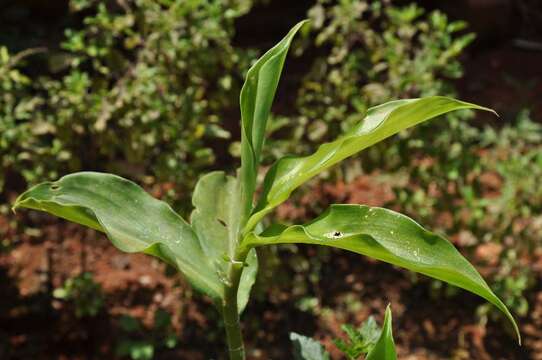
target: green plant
360 341
369 340
305 348
17 107
216 250
84 293
139 343
483 192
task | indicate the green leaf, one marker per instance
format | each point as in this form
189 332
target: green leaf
215 220
248 278
306 348
130 324
133 220
384 348
387 236
255 100
141 350
381 122
162 319
360 341
369 332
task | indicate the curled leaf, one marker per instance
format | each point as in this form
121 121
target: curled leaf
381 122
387 236
133 220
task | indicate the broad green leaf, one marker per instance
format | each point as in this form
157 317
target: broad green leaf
248 278
133 220
306 348
381 122
384 348
215 220
255 100
388 236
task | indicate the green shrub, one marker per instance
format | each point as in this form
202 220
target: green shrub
141 88
369 53
19 145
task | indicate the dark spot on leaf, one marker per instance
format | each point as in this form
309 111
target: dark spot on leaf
337 234
222 222
55 187
225 257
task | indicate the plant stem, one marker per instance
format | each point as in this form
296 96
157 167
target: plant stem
230 313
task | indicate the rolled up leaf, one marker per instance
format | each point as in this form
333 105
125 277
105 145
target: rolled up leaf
255 100
133 220
384 348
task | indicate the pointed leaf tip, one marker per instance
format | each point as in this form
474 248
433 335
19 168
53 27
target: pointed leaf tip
255 100
381 122
384 348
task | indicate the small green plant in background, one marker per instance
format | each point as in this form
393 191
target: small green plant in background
369 340
17 107
140 343
216 250
84 293
360 341
305 348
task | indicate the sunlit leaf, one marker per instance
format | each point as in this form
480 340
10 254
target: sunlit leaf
388 236
381 122
215 220
133 220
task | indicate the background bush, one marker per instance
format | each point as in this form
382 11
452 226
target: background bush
139 88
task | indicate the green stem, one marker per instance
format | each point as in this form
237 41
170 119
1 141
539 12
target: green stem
230 312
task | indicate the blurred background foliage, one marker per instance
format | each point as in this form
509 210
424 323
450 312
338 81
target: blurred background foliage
138 88
149 90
